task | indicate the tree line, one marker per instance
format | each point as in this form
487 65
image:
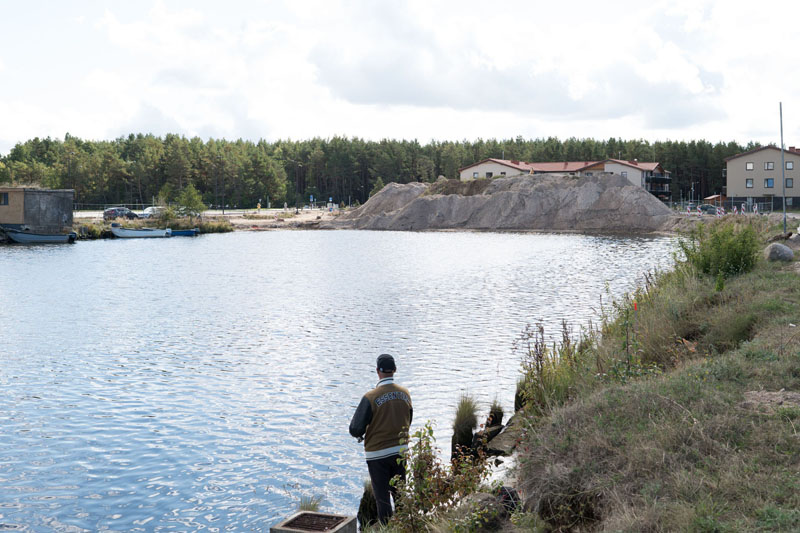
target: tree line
143 169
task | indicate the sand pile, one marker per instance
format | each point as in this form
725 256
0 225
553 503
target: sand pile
540 202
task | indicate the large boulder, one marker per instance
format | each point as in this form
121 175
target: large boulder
778 252
508 439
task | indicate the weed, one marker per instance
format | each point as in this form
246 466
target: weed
772 518
310 503
788 413
431 488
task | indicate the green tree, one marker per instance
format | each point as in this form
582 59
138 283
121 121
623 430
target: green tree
190 202
377 188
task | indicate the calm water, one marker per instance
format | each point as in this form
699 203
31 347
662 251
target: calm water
207 383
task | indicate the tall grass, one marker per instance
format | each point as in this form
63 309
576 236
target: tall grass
678 451
464 424
662 323
550 374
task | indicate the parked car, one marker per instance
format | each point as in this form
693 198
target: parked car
115 212
708 209
153 211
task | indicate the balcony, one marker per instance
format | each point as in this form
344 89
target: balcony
660 179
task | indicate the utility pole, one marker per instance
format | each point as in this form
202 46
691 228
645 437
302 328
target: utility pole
783 169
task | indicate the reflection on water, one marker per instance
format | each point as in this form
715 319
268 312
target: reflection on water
208 383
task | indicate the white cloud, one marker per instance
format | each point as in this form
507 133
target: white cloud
420 68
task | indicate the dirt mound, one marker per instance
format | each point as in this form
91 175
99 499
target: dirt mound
540 202
391 198
464 188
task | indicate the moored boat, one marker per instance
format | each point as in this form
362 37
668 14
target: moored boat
185 232
143 233
27 237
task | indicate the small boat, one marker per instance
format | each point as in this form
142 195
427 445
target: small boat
129 233
26 237
186 232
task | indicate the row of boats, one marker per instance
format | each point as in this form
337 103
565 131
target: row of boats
27 237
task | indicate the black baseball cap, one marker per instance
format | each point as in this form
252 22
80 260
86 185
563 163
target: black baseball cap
386 363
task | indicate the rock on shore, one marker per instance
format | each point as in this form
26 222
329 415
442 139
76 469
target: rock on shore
539 202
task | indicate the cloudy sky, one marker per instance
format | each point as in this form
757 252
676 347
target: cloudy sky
410 69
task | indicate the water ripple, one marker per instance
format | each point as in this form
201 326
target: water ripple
208 383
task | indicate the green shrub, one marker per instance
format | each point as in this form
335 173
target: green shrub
721 249
431 488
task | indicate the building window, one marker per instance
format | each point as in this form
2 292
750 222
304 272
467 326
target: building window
3 198
624 174
502 173
748 166
790 165
588 173
789 183
489 174
769 183
769 165
748 183
475 175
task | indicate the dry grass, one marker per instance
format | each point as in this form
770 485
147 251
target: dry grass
679 451
102 230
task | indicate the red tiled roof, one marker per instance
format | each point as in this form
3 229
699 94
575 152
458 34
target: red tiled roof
519 165
563 166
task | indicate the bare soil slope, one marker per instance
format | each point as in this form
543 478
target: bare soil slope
541 202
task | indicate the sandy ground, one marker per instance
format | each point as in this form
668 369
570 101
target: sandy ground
280 219
253 220
247 219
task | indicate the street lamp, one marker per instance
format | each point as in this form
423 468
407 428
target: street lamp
783 169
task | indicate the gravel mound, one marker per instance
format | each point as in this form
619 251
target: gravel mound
540 202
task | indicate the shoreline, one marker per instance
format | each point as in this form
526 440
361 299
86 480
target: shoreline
311 219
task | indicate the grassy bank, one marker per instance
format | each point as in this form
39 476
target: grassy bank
678 414
102 230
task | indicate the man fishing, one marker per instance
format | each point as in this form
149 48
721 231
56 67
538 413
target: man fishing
382 420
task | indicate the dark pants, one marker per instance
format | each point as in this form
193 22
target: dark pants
381 471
